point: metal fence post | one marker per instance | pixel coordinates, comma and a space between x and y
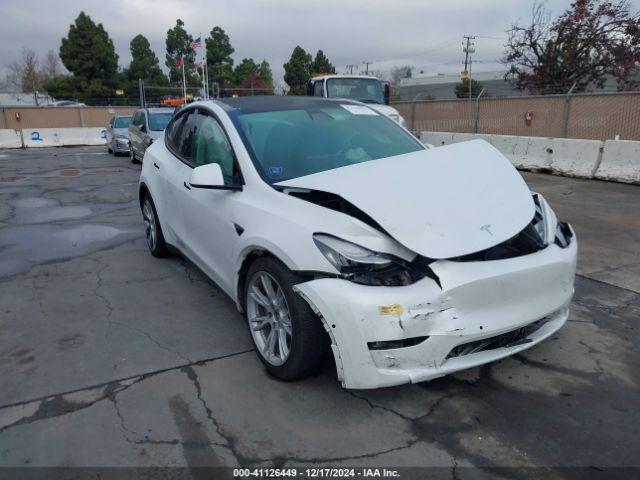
80, 116
477, 121
143, 100
413, 117
565, 115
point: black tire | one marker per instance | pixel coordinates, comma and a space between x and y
157, 246
132, 154
309, 340
110, 150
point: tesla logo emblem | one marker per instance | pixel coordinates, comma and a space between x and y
487, 228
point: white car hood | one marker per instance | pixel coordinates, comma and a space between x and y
441, 203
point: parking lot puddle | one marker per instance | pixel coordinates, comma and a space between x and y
23, 247
40, 210
43, 210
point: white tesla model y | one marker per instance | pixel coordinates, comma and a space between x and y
337, 232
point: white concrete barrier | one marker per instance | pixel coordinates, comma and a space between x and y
620, 161
572, 157
57, 137
10, 139
41, 137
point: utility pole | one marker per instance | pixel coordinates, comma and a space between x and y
366, 64
468, 49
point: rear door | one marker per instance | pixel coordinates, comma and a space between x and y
173, 170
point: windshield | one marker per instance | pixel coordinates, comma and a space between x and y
366, 90
159, 121
286, 144
122, 122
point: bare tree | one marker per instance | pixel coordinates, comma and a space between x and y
23, 74
50, 66
398, 73
28, 74
590, 41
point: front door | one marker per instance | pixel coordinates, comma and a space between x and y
208, 216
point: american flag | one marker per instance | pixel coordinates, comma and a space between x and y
197, 43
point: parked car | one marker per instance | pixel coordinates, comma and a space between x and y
335, 230
146, 126
66, 103
118, 134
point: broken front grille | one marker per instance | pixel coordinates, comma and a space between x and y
505, 340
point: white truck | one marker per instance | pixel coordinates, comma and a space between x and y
364, 89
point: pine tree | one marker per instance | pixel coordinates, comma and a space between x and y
219, 61
321, 64
178, 44
297, 71
88, 53
144, 63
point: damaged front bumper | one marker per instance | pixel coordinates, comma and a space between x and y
484, 311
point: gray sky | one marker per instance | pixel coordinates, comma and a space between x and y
425, 34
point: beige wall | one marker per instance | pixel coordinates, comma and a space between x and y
589, 116
59, 117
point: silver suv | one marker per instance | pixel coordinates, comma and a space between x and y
147, 126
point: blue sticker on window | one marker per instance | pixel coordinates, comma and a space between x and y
275, 170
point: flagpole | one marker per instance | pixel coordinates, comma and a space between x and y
184, 82
206, 70
204, 81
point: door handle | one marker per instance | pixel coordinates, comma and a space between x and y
156, 165
186, 185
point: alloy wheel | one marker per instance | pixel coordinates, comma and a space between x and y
149, 224
269, 318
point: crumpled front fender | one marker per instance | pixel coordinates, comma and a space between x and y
478, 300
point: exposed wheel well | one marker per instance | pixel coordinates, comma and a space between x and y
142, 192
244, 268
242, 273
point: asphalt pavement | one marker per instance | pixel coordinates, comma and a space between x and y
111, 357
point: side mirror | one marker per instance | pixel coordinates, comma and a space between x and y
387, 93
143, 128
210, 177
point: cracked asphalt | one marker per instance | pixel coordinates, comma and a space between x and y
110, 357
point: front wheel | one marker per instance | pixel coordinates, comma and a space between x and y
289, 337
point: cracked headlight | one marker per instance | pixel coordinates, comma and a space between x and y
544, 220
346, 255
564, 234
364, 266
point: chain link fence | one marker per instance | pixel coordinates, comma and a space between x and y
596, 116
